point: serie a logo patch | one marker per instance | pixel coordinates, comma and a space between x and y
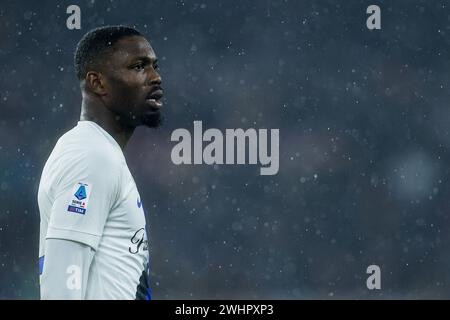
81, 193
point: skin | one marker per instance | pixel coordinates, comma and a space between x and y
117, 95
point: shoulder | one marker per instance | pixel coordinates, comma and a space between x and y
94, 150
79, 155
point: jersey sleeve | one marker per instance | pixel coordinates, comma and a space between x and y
65, 270
84, 196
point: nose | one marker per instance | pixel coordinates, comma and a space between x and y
154, 77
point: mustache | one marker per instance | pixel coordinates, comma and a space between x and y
156, 92
156, 88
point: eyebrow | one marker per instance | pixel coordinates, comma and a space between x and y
146, 59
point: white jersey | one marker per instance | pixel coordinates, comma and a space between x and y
87, 194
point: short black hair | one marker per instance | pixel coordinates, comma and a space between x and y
97, 42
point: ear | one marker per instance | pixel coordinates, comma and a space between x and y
96, 83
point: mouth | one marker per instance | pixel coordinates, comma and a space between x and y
154, 99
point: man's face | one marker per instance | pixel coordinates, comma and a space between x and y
132, 83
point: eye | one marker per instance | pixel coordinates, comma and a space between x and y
155, 67
138, 67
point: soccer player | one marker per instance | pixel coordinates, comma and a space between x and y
93, 242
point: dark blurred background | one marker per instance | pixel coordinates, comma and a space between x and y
364, 144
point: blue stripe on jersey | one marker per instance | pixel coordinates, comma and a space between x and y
41, 264
148, 296
143, 291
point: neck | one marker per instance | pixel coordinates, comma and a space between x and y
94, 110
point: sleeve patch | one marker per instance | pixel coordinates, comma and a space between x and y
79, 201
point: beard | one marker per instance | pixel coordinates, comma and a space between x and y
153, 119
